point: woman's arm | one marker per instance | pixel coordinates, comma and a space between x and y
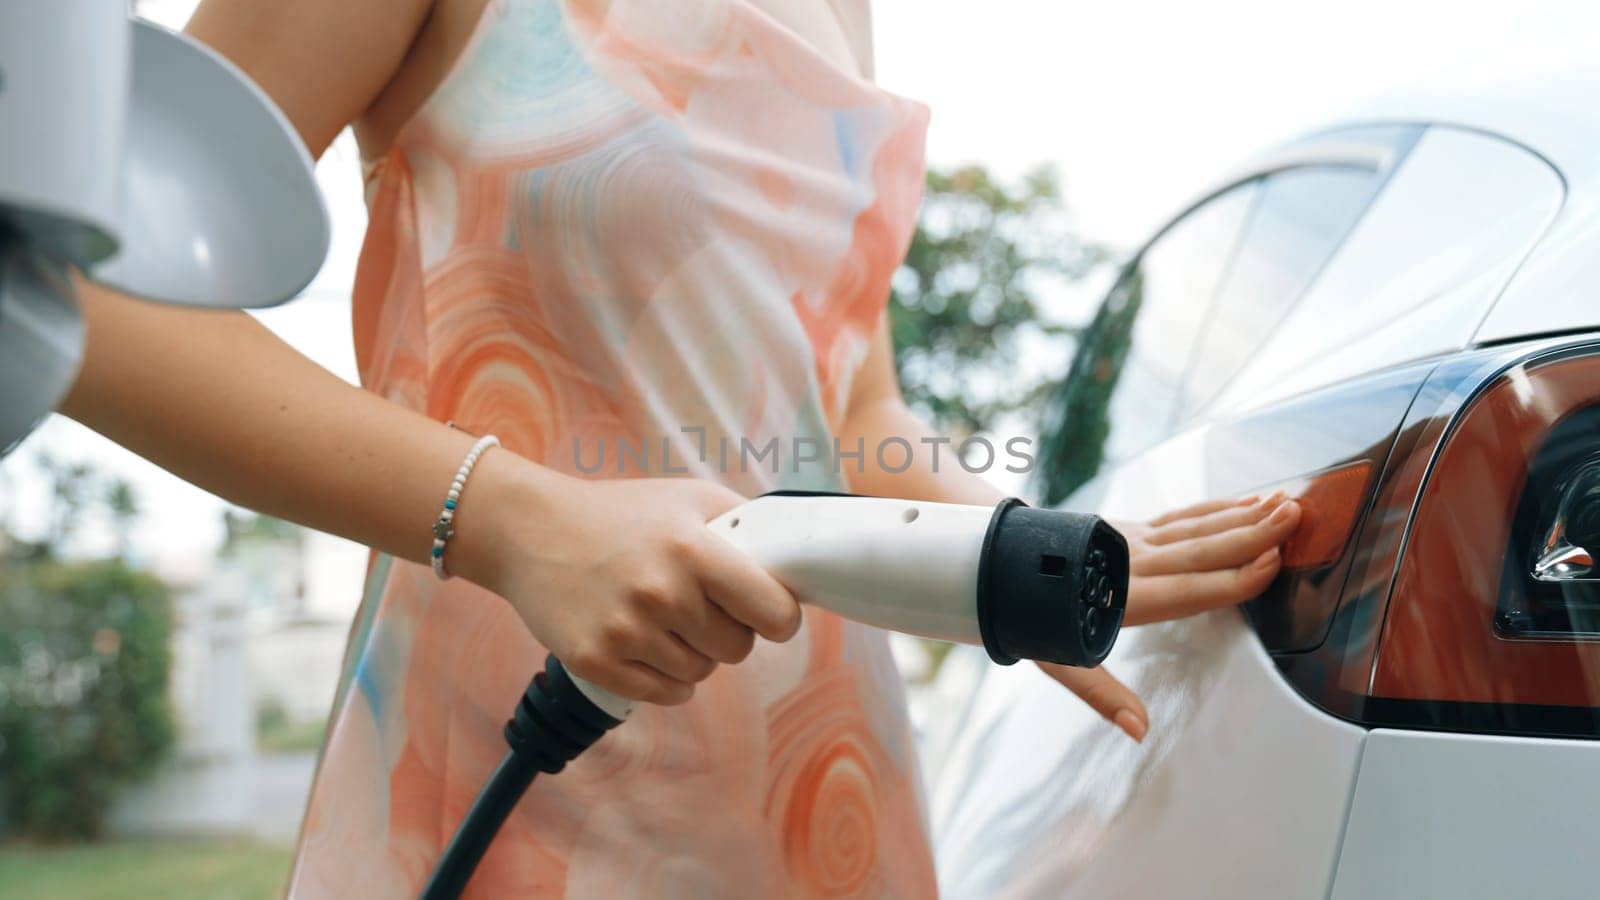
324, 64
219, 400
213, 395
878, 412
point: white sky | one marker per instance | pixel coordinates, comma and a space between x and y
1140, 103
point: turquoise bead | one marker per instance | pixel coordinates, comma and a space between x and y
438, 551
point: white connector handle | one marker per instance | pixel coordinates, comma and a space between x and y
903, 565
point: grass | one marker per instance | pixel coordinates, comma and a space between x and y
277, 733
139, 869
290, 737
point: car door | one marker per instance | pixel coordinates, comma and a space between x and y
1241, 787
1129, 388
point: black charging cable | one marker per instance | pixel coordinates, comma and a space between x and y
554, 722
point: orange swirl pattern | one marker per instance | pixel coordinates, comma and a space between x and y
613, 220
825, 788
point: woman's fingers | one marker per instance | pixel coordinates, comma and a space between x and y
1234, 546
634, 680
1105, 695
1156, 598
743, 589
719, 636
1234, 515
708, 498
669, 655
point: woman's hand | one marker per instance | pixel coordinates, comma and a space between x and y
1208, 556
1105, 695
625, 584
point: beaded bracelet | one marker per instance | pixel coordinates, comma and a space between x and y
442, 531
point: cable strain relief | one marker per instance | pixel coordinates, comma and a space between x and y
554, 722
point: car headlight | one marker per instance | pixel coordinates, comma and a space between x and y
1496, 604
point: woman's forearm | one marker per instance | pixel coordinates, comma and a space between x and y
878, 414
933, 471
615, 578
219, 400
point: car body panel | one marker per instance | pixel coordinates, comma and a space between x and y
1241, 782
1469, 816
1238, 791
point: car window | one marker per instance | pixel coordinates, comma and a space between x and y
1417, 275
1204, 297
1299, 220
1126, 377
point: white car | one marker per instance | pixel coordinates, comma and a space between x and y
1398, 319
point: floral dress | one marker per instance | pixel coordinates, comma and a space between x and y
670, 225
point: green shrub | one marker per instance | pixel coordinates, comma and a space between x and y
84, 662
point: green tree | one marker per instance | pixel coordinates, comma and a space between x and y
71, 492
973, 296
123, 503
84, 664
1077, 414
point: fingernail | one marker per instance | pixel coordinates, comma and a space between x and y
1266, 560
1130, 723
1282, 513
1246, 501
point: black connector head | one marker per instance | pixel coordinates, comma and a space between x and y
1052, 586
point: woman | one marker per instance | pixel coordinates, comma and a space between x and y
664, 224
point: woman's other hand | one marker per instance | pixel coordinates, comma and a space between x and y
625, 584
1208, 556
1112, 699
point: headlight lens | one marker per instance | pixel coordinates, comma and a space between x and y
1566, 555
